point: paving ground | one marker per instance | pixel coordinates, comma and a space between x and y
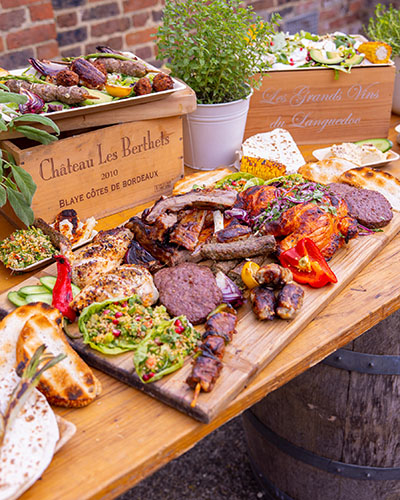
217, 468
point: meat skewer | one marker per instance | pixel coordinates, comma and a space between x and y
220, 328
48, 92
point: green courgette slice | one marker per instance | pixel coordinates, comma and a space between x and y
382, 144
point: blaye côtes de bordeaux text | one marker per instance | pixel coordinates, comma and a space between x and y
50, 169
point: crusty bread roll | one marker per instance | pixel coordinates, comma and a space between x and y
325, 171
70, 382
376, 180
206, 179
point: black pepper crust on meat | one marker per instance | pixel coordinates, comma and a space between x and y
188, 289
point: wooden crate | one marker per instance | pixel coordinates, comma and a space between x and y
103, 171
316, 108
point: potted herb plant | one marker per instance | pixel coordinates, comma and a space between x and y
217, 48
385, 27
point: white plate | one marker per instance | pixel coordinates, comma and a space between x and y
320, 154
397, 128
43, 262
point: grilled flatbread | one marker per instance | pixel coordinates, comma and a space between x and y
376, 180
326, 171
71, 382
202, 179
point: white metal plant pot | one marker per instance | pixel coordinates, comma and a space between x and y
396, 90
213, 133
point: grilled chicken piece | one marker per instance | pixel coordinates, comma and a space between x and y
273, 275
186, 233
263, 302
255, 199
212, 199
233, 231
124, 281
289, 301
146, 235
329, 231
104, 253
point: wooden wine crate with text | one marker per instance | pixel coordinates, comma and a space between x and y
103, 171
317, 108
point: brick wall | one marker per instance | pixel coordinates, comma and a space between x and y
50, 28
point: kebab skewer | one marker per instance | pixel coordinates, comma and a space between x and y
219, 330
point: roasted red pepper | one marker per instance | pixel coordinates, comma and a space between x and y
307, 264
62, 291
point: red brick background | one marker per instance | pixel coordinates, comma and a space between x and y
52, 28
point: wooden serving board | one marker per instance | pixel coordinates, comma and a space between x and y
253, 347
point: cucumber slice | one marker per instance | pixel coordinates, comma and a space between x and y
50, 281
32, 290
40, 297
16, 299
381, 144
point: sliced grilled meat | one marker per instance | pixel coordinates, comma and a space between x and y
274, 275
214, 199
138, 255
215, 344
249, 247
148, 236
289, 301
232, 232
186, 233
263, 302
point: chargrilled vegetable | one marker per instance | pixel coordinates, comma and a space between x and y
89, 75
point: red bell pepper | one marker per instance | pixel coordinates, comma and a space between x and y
62, 291
308, 264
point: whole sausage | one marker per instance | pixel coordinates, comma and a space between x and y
290, 299
261, 245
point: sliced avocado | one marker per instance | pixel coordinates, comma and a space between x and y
356, 59
381, 144
99, 97
330, 58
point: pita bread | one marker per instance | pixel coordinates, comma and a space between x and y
326, 171
203, 179
70, 382
277, 145
376, 180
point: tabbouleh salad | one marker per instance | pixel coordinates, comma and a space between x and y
25, 247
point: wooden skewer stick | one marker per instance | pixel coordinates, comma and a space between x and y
195, 395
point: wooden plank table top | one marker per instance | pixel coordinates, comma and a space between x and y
125, 435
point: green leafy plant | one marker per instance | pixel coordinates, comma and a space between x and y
16, 184
216, 47
385, 27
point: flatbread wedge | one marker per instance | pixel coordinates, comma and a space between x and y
326, 171
71, 383
376, 180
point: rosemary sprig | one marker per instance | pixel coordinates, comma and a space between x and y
30, 377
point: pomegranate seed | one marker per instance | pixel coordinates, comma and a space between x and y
106, 311
116, 333
292, 63
179, 329
234, 183
124, 304
148, 376
118, 314
115, 321
272, 43
138, 318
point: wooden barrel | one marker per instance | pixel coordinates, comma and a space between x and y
333, 433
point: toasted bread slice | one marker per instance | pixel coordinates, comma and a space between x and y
71, 382
376, 180
326, 171
12, 324
202, 179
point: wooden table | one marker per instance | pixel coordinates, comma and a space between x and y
125, 435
